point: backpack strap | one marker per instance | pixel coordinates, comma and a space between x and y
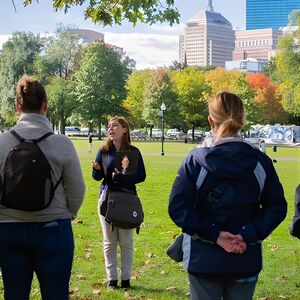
20, 139
43, 137
218, 190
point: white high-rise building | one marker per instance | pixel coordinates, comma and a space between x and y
208, 39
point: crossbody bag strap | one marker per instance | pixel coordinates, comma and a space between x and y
104, 162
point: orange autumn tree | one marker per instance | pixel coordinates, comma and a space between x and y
268, 97
219, 80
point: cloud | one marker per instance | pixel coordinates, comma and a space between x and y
176, 29
148, 50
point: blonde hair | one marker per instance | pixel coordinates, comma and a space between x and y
227, 111
125, 143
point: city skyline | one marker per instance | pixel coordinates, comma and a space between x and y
140, 43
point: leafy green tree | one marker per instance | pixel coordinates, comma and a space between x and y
135, 102
100, 82
61, 55
288, 66
160, 90
191, 87
62, 101
108, 12
17, 58
220, 80
61, 58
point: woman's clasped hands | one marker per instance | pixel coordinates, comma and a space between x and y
231, 243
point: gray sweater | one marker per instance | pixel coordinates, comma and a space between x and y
63, 159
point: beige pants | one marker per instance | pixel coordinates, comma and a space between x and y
111, 239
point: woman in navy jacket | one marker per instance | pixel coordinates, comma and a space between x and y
227, 198
118, 140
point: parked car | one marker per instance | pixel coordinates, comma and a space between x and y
198, 135
137, 134
156, 133
175, 134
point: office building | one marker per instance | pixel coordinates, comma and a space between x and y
261, 14
246, 65
259, 44
87, 36
208, 39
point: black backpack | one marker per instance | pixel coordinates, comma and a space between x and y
27, 183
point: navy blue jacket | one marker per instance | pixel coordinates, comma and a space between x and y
126, 181
252, 205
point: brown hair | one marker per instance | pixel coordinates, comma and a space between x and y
227, 111
30, 94
125, 143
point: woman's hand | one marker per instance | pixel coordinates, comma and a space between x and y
231, 243
96, 165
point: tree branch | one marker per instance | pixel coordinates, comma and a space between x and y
13, 2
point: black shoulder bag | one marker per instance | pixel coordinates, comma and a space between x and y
124, 207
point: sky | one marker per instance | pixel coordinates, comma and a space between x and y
150, 46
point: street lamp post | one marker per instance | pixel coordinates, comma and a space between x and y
162, 108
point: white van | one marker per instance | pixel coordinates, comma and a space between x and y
72, 131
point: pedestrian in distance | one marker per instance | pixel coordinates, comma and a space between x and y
35, 235
227, 199
104, 167
90, 139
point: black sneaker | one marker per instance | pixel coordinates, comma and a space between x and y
125, 284
112, 284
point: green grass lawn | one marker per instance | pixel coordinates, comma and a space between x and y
155, 276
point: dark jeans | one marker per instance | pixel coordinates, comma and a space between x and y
44, 248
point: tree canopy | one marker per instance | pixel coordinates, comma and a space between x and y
100, 82
108, 12
17, 58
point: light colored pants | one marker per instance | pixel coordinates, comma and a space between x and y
111, 239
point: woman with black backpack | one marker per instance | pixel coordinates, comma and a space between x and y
104, 167
227, 199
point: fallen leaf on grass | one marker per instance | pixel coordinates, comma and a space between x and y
88, 256
150, 255
171, 288
283, 278
163, 273
73, 290
96, 292
274, 248
97, 285
78, 222
80, 277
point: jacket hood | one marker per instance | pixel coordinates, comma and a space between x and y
230, 158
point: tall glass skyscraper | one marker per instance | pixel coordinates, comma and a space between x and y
262, 14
